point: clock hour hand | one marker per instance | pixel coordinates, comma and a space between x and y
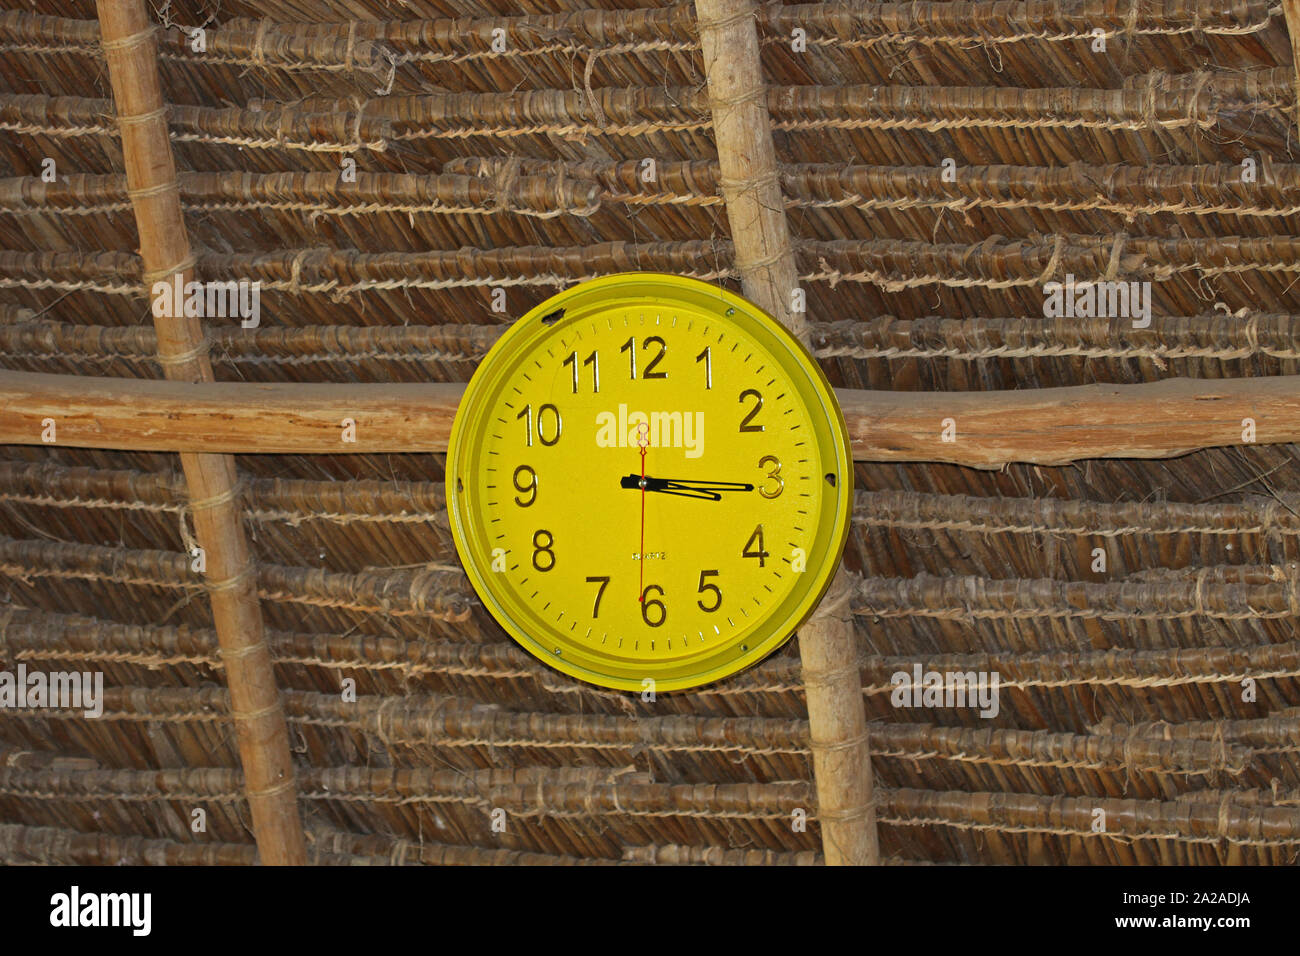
706, 490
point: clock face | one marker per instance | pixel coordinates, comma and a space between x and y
649, 480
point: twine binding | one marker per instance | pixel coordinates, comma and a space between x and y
193, 353
232, 493
127, 42
139, 119
156, 275
171, 185
232, 582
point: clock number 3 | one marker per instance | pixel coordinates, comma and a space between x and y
778, 483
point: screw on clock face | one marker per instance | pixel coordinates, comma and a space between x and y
685, 487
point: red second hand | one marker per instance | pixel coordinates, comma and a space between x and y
641, 592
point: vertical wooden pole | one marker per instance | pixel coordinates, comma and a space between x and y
127, 37
837, 722
1292, 10
760, 233
742, 129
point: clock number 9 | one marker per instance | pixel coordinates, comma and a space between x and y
717, 592
541, 547
531, 486
527, 416
649, 602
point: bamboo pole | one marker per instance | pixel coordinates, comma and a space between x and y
764, 256
1045, 426
131, 51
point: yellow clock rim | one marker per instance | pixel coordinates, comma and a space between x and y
463, 429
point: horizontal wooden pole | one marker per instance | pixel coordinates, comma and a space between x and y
236, 417
1049, 426
1055, 426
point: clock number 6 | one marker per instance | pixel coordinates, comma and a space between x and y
717, 592
651, 602
543, 542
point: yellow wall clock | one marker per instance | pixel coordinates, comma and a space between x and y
649, 480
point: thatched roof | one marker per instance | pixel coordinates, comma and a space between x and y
523, 169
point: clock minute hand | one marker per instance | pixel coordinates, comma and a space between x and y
685, 488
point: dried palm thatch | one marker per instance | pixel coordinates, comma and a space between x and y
1140, 613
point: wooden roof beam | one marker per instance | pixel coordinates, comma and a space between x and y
131, 51
1045, 426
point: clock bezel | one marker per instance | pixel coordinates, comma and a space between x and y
662, 291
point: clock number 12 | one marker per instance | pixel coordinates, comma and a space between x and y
648, 602
649, 371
